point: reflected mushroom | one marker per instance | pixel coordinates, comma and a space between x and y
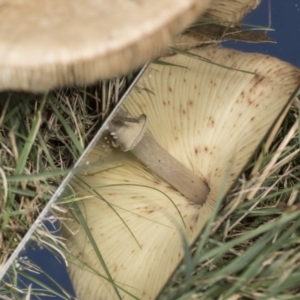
211, 119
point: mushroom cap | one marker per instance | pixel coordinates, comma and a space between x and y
230, 10
46, 44
209, 118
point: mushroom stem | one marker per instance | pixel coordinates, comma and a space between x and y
170, 169
131, 136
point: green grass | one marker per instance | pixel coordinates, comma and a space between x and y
250, 250
41, 138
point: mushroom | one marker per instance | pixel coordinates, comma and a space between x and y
230, 10
211, 119
70, 42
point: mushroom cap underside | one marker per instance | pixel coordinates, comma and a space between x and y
209, 118
46, 44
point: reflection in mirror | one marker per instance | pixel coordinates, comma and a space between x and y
38, 268
39, 271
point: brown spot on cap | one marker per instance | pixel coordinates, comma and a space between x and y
211, 121
250, 100
197, 150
